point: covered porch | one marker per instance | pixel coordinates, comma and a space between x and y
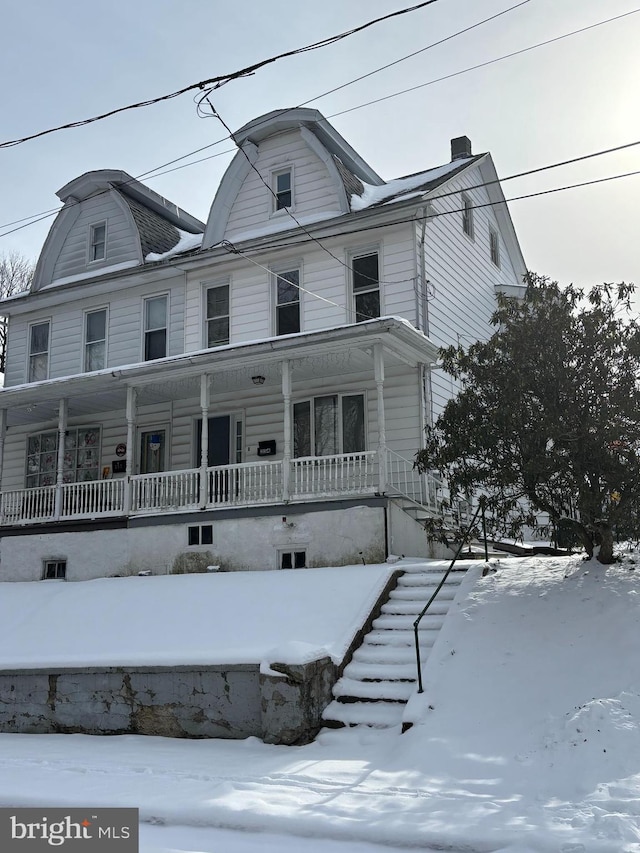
279, 375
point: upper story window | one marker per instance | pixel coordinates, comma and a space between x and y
98, 242
283, 189
95, 340
494, 246
326, 426
467, 215
366, 286
155, 327
39, 351
217, 319
287, 299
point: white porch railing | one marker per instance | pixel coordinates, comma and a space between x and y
327, 476
244, 484
404, 479
166, 490
22, 505
97, 497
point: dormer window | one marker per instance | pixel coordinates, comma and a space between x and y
98, 242
283, 189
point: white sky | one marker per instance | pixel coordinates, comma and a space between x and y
66, 61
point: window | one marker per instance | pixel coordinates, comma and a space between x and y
39, 352
55, 569
287, 290
494, 246
155, 328
325, 426
292, 559
217, 318
95, 339
283, 189
98, 242
81, 461
467, 215
200, 534
366, 286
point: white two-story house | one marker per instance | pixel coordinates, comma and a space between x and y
247, 393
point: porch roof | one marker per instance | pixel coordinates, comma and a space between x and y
335, 351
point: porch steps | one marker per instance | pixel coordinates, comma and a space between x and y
381, 676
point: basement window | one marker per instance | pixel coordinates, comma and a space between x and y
200, 534
292, 559
55, 570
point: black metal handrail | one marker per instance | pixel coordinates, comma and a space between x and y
416, 624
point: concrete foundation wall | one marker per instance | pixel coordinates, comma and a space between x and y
338, 536
217, 701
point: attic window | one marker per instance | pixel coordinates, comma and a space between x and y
98, 242
283, 189
467, 215
494, 246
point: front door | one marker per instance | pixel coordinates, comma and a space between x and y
218, 453
152, 451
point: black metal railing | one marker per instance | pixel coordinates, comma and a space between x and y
416, 625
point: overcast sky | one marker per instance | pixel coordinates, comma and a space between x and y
68, 60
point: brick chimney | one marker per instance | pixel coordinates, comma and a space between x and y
460, 148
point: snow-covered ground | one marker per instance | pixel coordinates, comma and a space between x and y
526, 739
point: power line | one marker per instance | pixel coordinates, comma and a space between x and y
149, 173
485, 64
221, 80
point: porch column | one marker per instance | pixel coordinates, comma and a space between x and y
378, 366
131, 434
62, 429
286, 456
204, 440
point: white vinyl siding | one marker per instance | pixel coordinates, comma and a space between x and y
462, 278
122, 242
314, 189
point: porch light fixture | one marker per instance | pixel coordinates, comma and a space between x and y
257, 380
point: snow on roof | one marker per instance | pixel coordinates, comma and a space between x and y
401, 186
186, 243
70, 279
165, 620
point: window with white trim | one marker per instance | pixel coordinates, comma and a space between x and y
80, 463
365, 281
95, 340
467, 215
328, 425
287, 301
39, 351
283, 189
494, 246
54, 570
155, 327
98, 242
217, 315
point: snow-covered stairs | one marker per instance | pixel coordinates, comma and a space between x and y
381, 676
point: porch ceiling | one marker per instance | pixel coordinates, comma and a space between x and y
328, 353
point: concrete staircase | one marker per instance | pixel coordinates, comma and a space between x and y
381, 676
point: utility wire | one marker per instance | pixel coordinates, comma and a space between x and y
221, 80
150, 173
